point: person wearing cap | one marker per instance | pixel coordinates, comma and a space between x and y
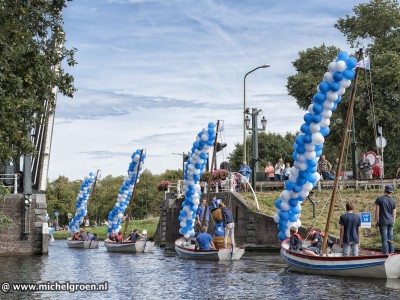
385, 217
229, 225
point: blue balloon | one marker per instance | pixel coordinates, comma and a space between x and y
282, 236
339, 98
316, 118
293, 217
351, 62
318, 153
349, 74
342, 56
319, 147
180, 218
300, 181
296, 188
294, 155
211, 125
338, 76
308, 118
301, 149
334, 86
295, 210
324, 86
288, 185
307, 138
278, 203
318, 108
300, 140
319, 97
284, 215
324, 131
303, 174
282, 227
312, 178
305, 128
312, 163
334, 107
293, 202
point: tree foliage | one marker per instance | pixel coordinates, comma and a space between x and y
31, 46
378, 90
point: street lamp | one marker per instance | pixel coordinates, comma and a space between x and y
254, 129
184, 158
244, 108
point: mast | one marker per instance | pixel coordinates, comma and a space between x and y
342, 150
133, 195
210, 179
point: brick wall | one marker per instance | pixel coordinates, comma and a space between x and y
14, 240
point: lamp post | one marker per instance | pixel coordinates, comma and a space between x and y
244, 108
254, 129
184, 158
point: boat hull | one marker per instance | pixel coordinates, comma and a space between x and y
373, 265
82, 244
130, 247
187, 250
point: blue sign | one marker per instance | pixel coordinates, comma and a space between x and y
56, 213
365, 220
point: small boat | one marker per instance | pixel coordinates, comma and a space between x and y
186, 249
82, 244
132, 247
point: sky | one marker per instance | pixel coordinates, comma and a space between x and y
151, 74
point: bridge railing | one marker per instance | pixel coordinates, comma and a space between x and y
10, 181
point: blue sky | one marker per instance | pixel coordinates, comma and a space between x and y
152, 74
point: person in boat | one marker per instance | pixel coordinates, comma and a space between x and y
76, 237
229, 225
200, 215
118, 238
350, 231
295, 241
316, 242
83, 235
204, 240
385, 217
94, 237
112, 236
134, 235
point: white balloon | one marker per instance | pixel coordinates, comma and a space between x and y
184, 219
341, 91
287, 232
308, 186
345, 83
292, 178
294, 171
315, 127
340, 66
285, 195
285, 206
187, 236
206, 147
317, 138
182, 224
136, 158
302, 166
332, 67
196, 201
204, 130
304, 193
328, 105
116, 204
294, 195
301, 158
310, 108
326, 113
325, 122
298, 223
318, 176
204, 137
310, 146
331, 96
310, 155
276, 218
328, 77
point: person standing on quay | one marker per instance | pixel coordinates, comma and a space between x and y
385, 217
350, 231
245, 171
279, 169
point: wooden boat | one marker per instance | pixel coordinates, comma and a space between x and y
186, 249
82, 244
367, 264
132, 247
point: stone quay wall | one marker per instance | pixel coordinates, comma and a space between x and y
18, 238
253, 230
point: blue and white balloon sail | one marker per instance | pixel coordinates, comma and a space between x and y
125, 192
309, 143
194, 168
81, 203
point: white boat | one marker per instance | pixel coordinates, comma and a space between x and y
132, 247
82, 244
368, 264
186, 249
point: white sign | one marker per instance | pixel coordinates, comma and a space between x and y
365, 220
381, 142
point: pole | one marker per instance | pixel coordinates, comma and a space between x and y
210, 179
92, 196
342, 150
255, 146
354, 149
133, 195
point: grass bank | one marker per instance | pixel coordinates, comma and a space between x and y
364, 201
149, 224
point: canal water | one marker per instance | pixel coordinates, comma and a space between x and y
163, 275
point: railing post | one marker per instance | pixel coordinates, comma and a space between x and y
15, 183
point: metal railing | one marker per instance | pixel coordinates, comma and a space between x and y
10, 181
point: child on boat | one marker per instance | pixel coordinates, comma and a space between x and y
316, 242
295, 242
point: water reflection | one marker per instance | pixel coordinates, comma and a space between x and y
163, 275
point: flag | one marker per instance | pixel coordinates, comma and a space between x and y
364, 64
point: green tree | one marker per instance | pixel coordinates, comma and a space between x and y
378, 24
31, 46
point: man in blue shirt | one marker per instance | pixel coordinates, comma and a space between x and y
204, 240
385, 217
245, 171
229, 225
200, 215
350, 231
